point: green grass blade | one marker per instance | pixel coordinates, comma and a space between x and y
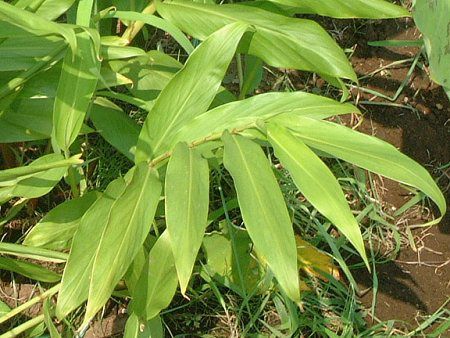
263, 210
187, 204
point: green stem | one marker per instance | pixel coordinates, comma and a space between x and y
23, 327
71, 178
135, 27
240, 75
50, 292
160, 160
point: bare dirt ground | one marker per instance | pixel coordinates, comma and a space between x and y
418, 281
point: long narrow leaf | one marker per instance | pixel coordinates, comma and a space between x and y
56, 229
190, 92
127, 227
367, 152
10, 177
36, 25
75, 281
245, 113
29, 270
76, 86
187, 199
263, 210
300, 43
158, 282
158, 23
373, 9
317, 183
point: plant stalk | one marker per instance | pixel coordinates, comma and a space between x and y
50, 292
135, 27
23, 327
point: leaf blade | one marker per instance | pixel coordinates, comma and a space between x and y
128, 225
317, 183
190, 92
263, 210
187, 201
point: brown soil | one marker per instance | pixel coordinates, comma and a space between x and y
418, 281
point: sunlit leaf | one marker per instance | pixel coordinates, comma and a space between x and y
187, 201
190, 92
128, 225
263, 209
367, 152
56, 229
76, 86
317, 183
158, 282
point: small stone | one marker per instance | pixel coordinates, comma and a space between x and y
426, 110
439, 106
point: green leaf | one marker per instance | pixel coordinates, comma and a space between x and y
366, 152
245, 113
190, 92
4, 309
252, 75
48, 314
48, 9
433, 19
84, 12
29, 115
150, 73
33, 253
36, 25
76, 86
300, 43
12, 176
187, 204
263, 210
127, 227
30, 270
317, 183
36, 179
227, 266
372, 9
149, 329
56, 229
20, 53
115, 126
75, 281
158, 282
158, 23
